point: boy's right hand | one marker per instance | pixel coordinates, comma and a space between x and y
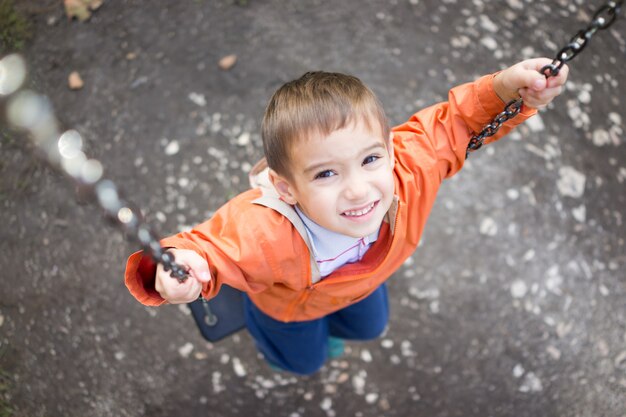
176, 292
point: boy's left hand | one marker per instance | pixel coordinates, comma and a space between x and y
524, 80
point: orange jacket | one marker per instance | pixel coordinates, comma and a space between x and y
257, 244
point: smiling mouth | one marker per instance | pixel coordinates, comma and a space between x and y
360, 212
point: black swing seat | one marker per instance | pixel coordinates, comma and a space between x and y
221, 316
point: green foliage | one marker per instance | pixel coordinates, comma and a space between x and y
6, 410
15, 30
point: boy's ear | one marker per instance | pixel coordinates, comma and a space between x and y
283, 187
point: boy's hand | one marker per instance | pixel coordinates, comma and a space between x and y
176, 292
524, 80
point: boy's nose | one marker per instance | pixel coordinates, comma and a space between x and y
355, 190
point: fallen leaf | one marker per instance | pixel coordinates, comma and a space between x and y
95, 4
227, 62
74, 81
81, 9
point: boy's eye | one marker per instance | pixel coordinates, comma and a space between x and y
324, 174
370, 159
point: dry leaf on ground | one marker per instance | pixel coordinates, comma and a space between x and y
81, 9
227, 62
74, 81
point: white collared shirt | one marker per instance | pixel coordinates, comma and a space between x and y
333, 250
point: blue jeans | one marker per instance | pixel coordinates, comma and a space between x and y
301, 347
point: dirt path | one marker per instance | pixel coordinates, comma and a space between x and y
514, 305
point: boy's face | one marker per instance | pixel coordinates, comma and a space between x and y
343, 182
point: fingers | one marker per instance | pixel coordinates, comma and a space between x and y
535, 89
559, 79
539, 99
176, 292
524, 75
198, 267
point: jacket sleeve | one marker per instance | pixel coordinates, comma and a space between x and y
443, 131
232, 242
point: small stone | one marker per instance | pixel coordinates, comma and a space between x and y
330, 389
563, 329
620, 359
387, 343
160, 216
489, 43
366, 356
512, 194
343, 377
119, 355
615, 118
326, 404
554, 280
580, 213
519, 289
243, 139
227, 62
531, 383
571, 182
197, 99
488, 227
172, 148
131, 55
460, 41
553, 352
488, 24
518, 371
371, 398
603, 290
185, 350
434, 306
74, 81
240, 371
584, 96
358, 382
600, 137
529, 255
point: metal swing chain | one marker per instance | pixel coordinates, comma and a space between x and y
30, 112
604, 17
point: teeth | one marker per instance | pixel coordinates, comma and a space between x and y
359, 212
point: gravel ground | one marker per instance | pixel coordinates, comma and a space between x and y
514, 305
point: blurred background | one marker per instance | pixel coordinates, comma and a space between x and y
514, 304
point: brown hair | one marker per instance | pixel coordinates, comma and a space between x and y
318, 103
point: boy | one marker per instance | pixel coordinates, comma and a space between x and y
340, 205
